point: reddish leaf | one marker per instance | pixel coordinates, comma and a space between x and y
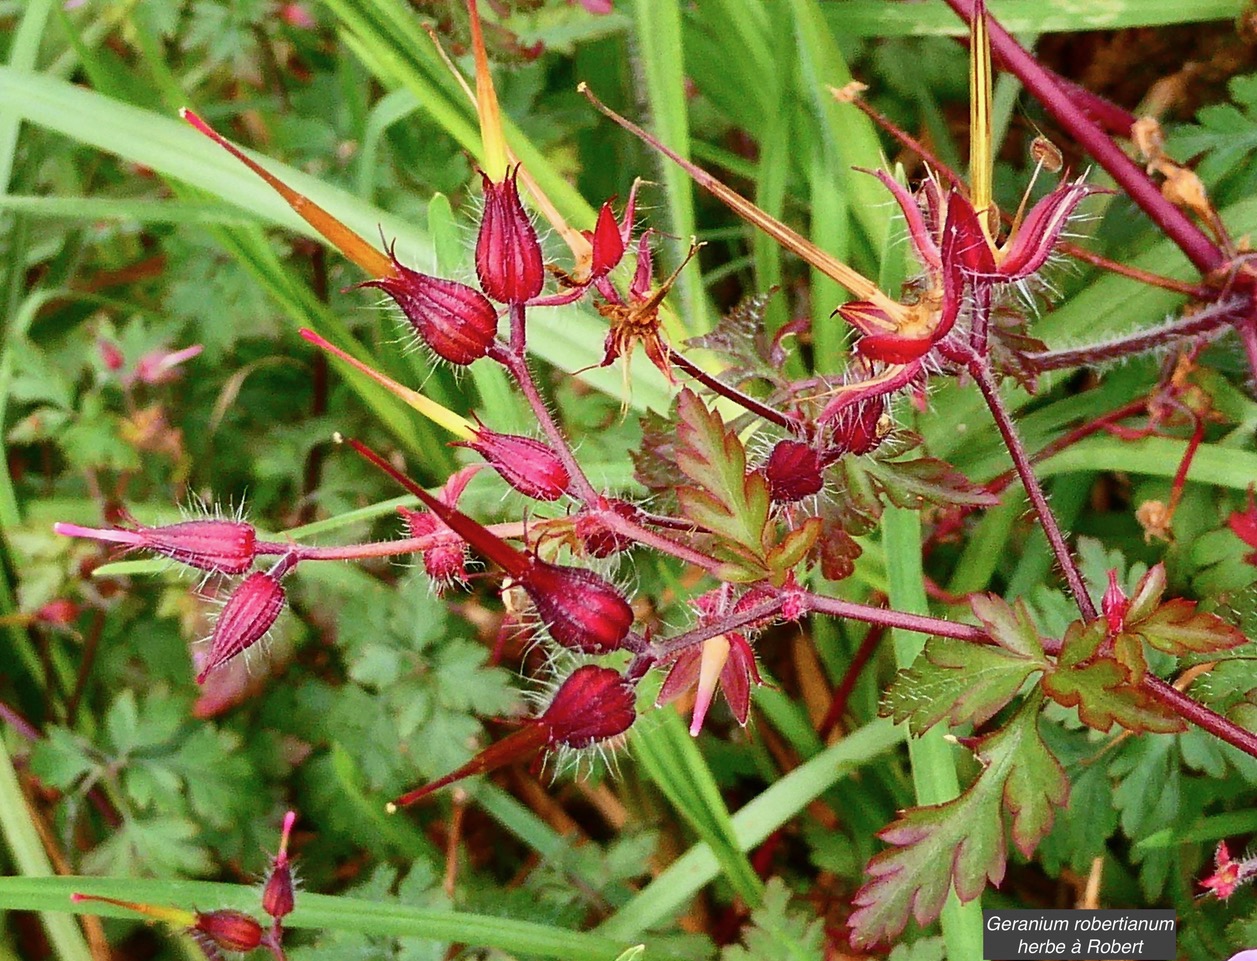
960, 844
1176, 627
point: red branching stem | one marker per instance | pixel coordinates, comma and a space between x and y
764, 611
885, 617
745, 401
1179, 484
981, 373
842, 693
1044, 87
665, 545
1204, 718
516, 363
353, 552
1210, 320
999, 484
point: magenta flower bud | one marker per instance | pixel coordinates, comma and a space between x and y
278, 895
529, 466
249, 613
608, 243
598, 539
508, 256
793, 472
455, 320
218, 546
228, 929
111, 355
1114, 605
594, 704
582, 611
445, 561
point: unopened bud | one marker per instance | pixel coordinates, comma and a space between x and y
455, 320
527, 465
249, 613
445, 560
594, 704
508, 256
278, 896
218, 546
229, 929
581, 610
595, 536
793, 472
608, 243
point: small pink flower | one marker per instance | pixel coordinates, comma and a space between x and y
508, 256
210, 544
455, 320
1228, 875
161, 366
595, 704
297, 15
59, 612
111, 355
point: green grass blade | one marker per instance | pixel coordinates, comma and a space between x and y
671, 890
665, 750
876, 18
933, 767
663, 70
32, 861
315, 911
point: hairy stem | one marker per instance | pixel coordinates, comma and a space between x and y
1201, 716
885, 617
981, 373
515, 361
745, 401
1212, 319
352, 552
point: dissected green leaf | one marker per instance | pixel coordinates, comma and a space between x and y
927, 480
778, 933
957, 680
960, 844
1177, 627
1009, 626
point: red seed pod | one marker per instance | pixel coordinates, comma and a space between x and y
594, 704
278, 896
249, 613
529, 466
230, 930
582, 611
455, 320
793, 472
508, 256
218, 546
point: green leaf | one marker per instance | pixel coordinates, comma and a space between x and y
727, 500
1176, 627
957, 680
778, 934
1009, 626
161, 846
927, 480
1100, 687
960, 844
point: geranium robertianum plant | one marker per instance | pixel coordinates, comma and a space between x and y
768, 525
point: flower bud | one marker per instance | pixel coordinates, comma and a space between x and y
445, 561
595, 536
793, 472
218, 546
1114, 605
529, 466
608, 243
508, 256
594, 704
582, 611
229, 929
278, 896
859, 429
249, 613
455, 320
